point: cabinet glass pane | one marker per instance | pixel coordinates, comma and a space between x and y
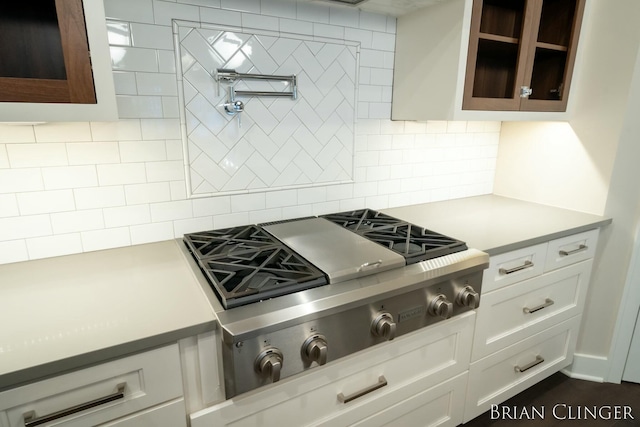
502, 17
548, 74
556, 22
30, 42
496, 67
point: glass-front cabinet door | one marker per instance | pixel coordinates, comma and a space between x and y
521, 54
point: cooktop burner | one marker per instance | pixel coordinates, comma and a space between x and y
246, 264
411, 241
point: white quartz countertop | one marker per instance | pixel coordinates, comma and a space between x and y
61, 313
496, 224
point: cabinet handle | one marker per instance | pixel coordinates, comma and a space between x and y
526, 264
580, 248
346, 399
539, 360
547, 303
30, 419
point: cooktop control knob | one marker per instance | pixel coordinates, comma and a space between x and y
315, 349
440, 306
468, 297
384, 326
269, 363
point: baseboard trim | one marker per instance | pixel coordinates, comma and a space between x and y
588, 367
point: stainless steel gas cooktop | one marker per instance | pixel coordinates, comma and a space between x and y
292, 295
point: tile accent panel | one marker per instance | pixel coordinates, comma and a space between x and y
274, 143
79, 186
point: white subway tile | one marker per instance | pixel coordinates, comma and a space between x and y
365, 37
4, 157
219, 16
297, 211
312, 195
165, 171
147, 193
89, 153
170, 107
252, 6
383, 41
326, 207
230, 220
154, 232
105, 239
63, 132
23, 227
37, 155
151, 36
278, 8
212, 206
126, 10
456, 127
125, 83
415, 127
139, 107
142, 151
50, 246
75, 221
392, 22
248, 202
373, 21
178, 190
160, 129
126, 215
171, 211
124, 173
266, 215
19, 180
183, 226
436, 126
368, 93
13, 251
277, 199
326, 30
381, 77
99, 197
156, 84
371, 58
312, 12
118, 33
122, 130
125, 58
204, 3
344, 17
174, 149
16, 133
351, 204
295, 26
262, 22
166, 61
8, 205
69, 177
39, 202
164, 12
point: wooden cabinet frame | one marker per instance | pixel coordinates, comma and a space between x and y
78, 87
526, 44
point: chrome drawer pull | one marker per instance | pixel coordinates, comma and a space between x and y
382, 381
539, 360
526, 264
30, 419
580, 248
547, 303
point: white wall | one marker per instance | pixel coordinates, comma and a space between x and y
589, 164
80, 186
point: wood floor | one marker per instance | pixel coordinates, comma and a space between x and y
568, 396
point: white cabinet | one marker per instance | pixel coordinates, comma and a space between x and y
148, 385
528, 319
64, 95
394, 383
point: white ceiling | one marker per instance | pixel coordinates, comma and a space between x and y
385, 7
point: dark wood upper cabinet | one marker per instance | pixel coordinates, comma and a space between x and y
45, 53
521, 54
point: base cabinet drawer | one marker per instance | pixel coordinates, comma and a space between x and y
515, 312
515, 266
170, 414
504, 374
571, 249
359, 385
414, 406
98, 394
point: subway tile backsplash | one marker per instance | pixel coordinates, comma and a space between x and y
77, 186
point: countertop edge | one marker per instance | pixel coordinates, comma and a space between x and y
86, 360
546, 237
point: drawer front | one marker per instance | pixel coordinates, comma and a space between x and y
149, 379
496, 378
513, 313
515, 266
170, 414
442, 405
571, 249
377, 375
